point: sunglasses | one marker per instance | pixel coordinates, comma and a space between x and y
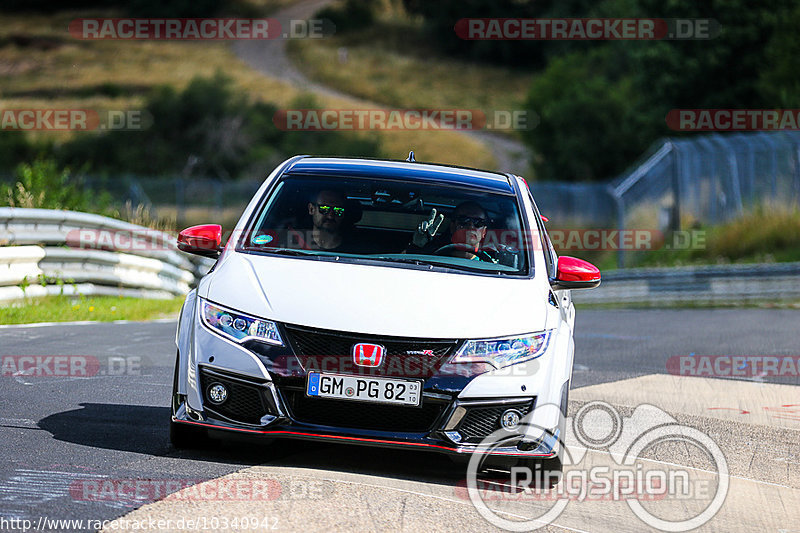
325, 209
474, 222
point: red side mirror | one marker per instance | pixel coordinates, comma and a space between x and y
574, 273
203, 240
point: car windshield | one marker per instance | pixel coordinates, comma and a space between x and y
391, 221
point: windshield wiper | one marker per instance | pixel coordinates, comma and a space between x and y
441, 264
284, 251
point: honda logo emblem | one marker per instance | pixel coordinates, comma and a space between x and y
365, 354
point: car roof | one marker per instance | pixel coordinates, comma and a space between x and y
404, 170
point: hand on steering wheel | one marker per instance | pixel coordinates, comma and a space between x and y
466, 248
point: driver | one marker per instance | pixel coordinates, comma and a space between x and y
467, 230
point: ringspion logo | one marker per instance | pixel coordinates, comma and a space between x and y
606, 458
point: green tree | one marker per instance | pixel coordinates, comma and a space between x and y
602, 106
588, 122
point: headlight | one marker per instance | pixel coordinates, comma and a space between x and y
238, 326
505, 351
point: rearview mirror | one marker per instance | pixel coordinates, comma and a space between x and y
574, 273
205, 240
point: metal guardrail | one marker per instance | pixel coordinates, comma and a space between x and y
45, 251
697, 284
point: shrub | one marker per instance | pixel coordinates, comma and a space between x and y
43, 184
208, 129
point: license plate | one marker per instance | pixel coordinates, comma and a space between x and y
381, 390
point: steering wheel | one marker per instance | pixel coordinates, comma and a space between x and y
447, 249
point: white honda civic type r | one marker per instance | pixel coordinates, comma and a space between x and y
384, 303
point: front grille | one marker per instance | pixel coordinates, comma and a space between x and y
362, 415
312, 346
245, 403
480, 422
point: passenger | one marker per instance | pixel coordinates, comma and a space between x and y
327, 215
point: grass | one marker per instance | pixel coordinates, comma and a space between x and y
80, 308
768, 234
396, 67
41, 66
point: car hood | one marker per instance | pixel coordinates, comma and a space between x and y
376, 299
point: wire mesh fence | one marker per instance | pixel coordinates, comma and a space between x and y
677, 183
186, 201
710, 179
715, 178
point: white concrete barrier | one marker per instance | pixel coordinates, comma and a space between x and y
69, 251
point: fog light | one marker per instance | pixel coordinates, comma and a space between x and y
217, 393
510, 419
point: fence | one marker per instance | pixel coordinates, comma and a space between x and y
188, 201
46, 252
710, 179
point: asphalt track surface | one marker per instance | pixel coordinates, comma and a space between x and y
75, 447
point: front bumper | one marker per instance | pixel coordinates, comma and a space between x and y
443, 423
266, 385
